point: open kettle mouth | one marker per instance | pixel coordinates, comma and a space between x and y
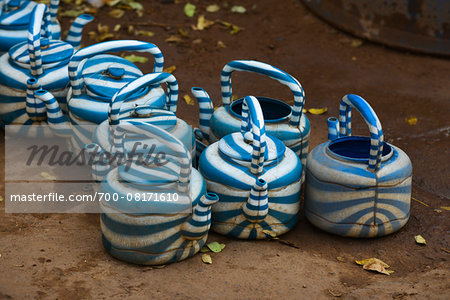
356, 149
273, 110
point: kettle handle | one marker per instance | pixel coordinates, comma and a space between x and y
252, 116
163, 137
75, 65
371, 118
139, 83
271, 72
39, 18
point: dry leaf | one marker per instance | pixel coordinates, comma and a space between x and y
215, 247
204, 249
238, 9
423, 203
206, 258
174, 39
188, 100
170, 69
356, 43
1, 198
189, 10
354, 58
212, 8
270, 233
71, 13
318, 111
335, 293
420, 240
234, 28
411, 120
374, 264
48, 176
221, 44
116, 13
445, 207
183, 33
117, 27
305, 110
135, 58
445, 250
340, 258
203, 23
438, 210
145, 33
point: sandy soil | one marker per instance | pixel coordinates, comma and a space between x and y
47, 256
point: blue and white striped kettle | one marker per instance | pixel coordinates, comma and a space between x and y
95, 77
15, 16
160, 213
256, 177
281, 120
163, 118
39, 63
357, 186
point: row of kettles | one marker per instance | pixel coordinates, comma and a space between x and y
252, 152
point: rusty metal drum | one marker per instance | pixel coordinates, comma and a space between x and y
418, 25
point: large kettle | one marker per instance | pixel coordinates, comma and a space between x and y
357, 186
95, 78
158, 214
256, 177
281, 120
40, 62
15, 16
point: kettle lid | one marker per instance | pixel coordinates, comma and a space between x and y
105, 74
238, 147
16, 13
53, 52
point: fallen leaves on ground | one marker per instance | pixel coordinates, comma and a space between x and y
335, 293
188, 100
212, 8
215, 247
340, 258
101, 34
1, 198
135, 58
221, 44
170, 69
411, 120
145, 33
355, 43
445, 207
174, 39
71, 13
203, 23
238, 9
270, 234
48, 176
374, 264
318, 111
233, 28
420, 240
116, 13
423, 203
206, 258
189, 10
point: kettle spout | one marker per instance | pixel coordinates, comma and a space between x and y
198, 225
98, 160
257, 206
57, 121
75, 31
333, 128
206, 110
35, 108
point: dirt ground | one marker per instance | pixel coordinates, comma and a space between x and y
60, 256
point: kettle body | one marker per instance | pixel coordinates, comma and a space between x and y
257, 178
357, 186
